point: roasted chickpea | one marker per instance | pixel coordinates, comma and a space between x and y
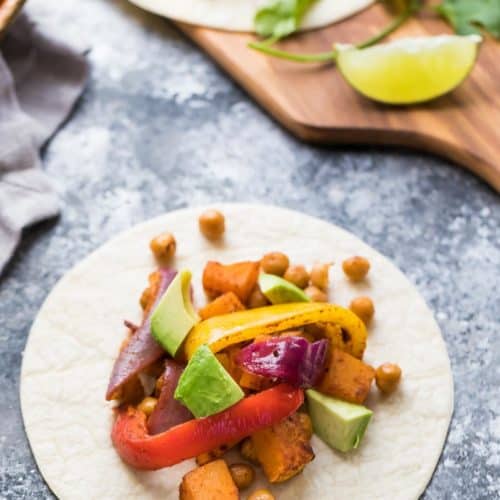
297, 275
247, 451
243, 475
363, 308
356, 268
261, 495
275, 263
315, 294
319, 275
147, 405
257, 299
387, 377
163, 246
212, 224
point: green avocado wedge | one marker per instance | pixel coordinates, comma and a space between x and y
174, 316
280, 291
339, 424
205, 387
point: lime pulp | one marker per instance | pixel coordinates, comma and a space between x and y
409, 70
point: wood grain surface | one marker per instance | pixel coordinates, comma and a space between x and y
315, 104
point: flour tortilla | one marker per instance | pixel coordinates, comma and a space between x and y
77, 335
238, 15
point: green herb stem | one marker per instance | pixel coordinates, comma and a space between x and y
323, 57
290, 56
269, 41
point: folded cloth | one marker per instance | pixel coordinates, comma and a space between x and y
40, 80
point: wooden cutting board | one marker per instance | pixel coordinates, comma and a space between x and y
8, 11
316, 105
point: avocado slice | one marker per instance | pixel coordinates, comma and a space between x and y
339, 424
174, 315
205, 387
279, 290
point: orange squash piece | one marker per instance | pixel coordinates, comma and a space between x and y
346, 378
223, 358
225, 304
239, 278
254, 382
228, 359
283, 449
211, 481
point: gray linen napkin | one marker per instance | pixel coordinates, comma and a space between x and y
40, 80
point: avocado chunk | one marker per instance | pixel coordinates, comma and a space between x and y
205, 387
339, 424
174, 315
279, 290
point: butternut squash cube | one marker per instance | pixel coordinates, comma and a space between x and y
346, 378
284, 449
225, 304
254, 382
240, 278
211, 481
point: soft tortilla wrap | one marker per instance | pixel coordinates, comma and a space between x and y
237, 15
77, 335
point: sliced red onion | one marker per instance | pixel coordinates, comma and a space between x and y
142, 350
288, 359
168, 411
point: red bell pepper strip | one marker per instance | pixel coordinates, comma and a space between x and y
143, 451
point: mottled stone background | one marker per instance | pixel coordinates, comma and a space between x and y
160, 127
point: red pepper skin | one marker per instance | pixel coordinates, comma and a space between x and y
143, 451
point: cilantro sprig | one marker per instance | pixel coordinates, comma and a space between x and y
470, 16
283, 15
281, 18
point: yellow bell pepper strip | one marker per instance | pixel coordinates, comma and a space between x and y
223, 331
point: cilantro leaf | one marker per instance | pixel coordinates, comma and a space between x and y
468, 16
280, 18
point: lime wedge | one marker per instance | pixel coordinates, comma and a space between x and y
409, 70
